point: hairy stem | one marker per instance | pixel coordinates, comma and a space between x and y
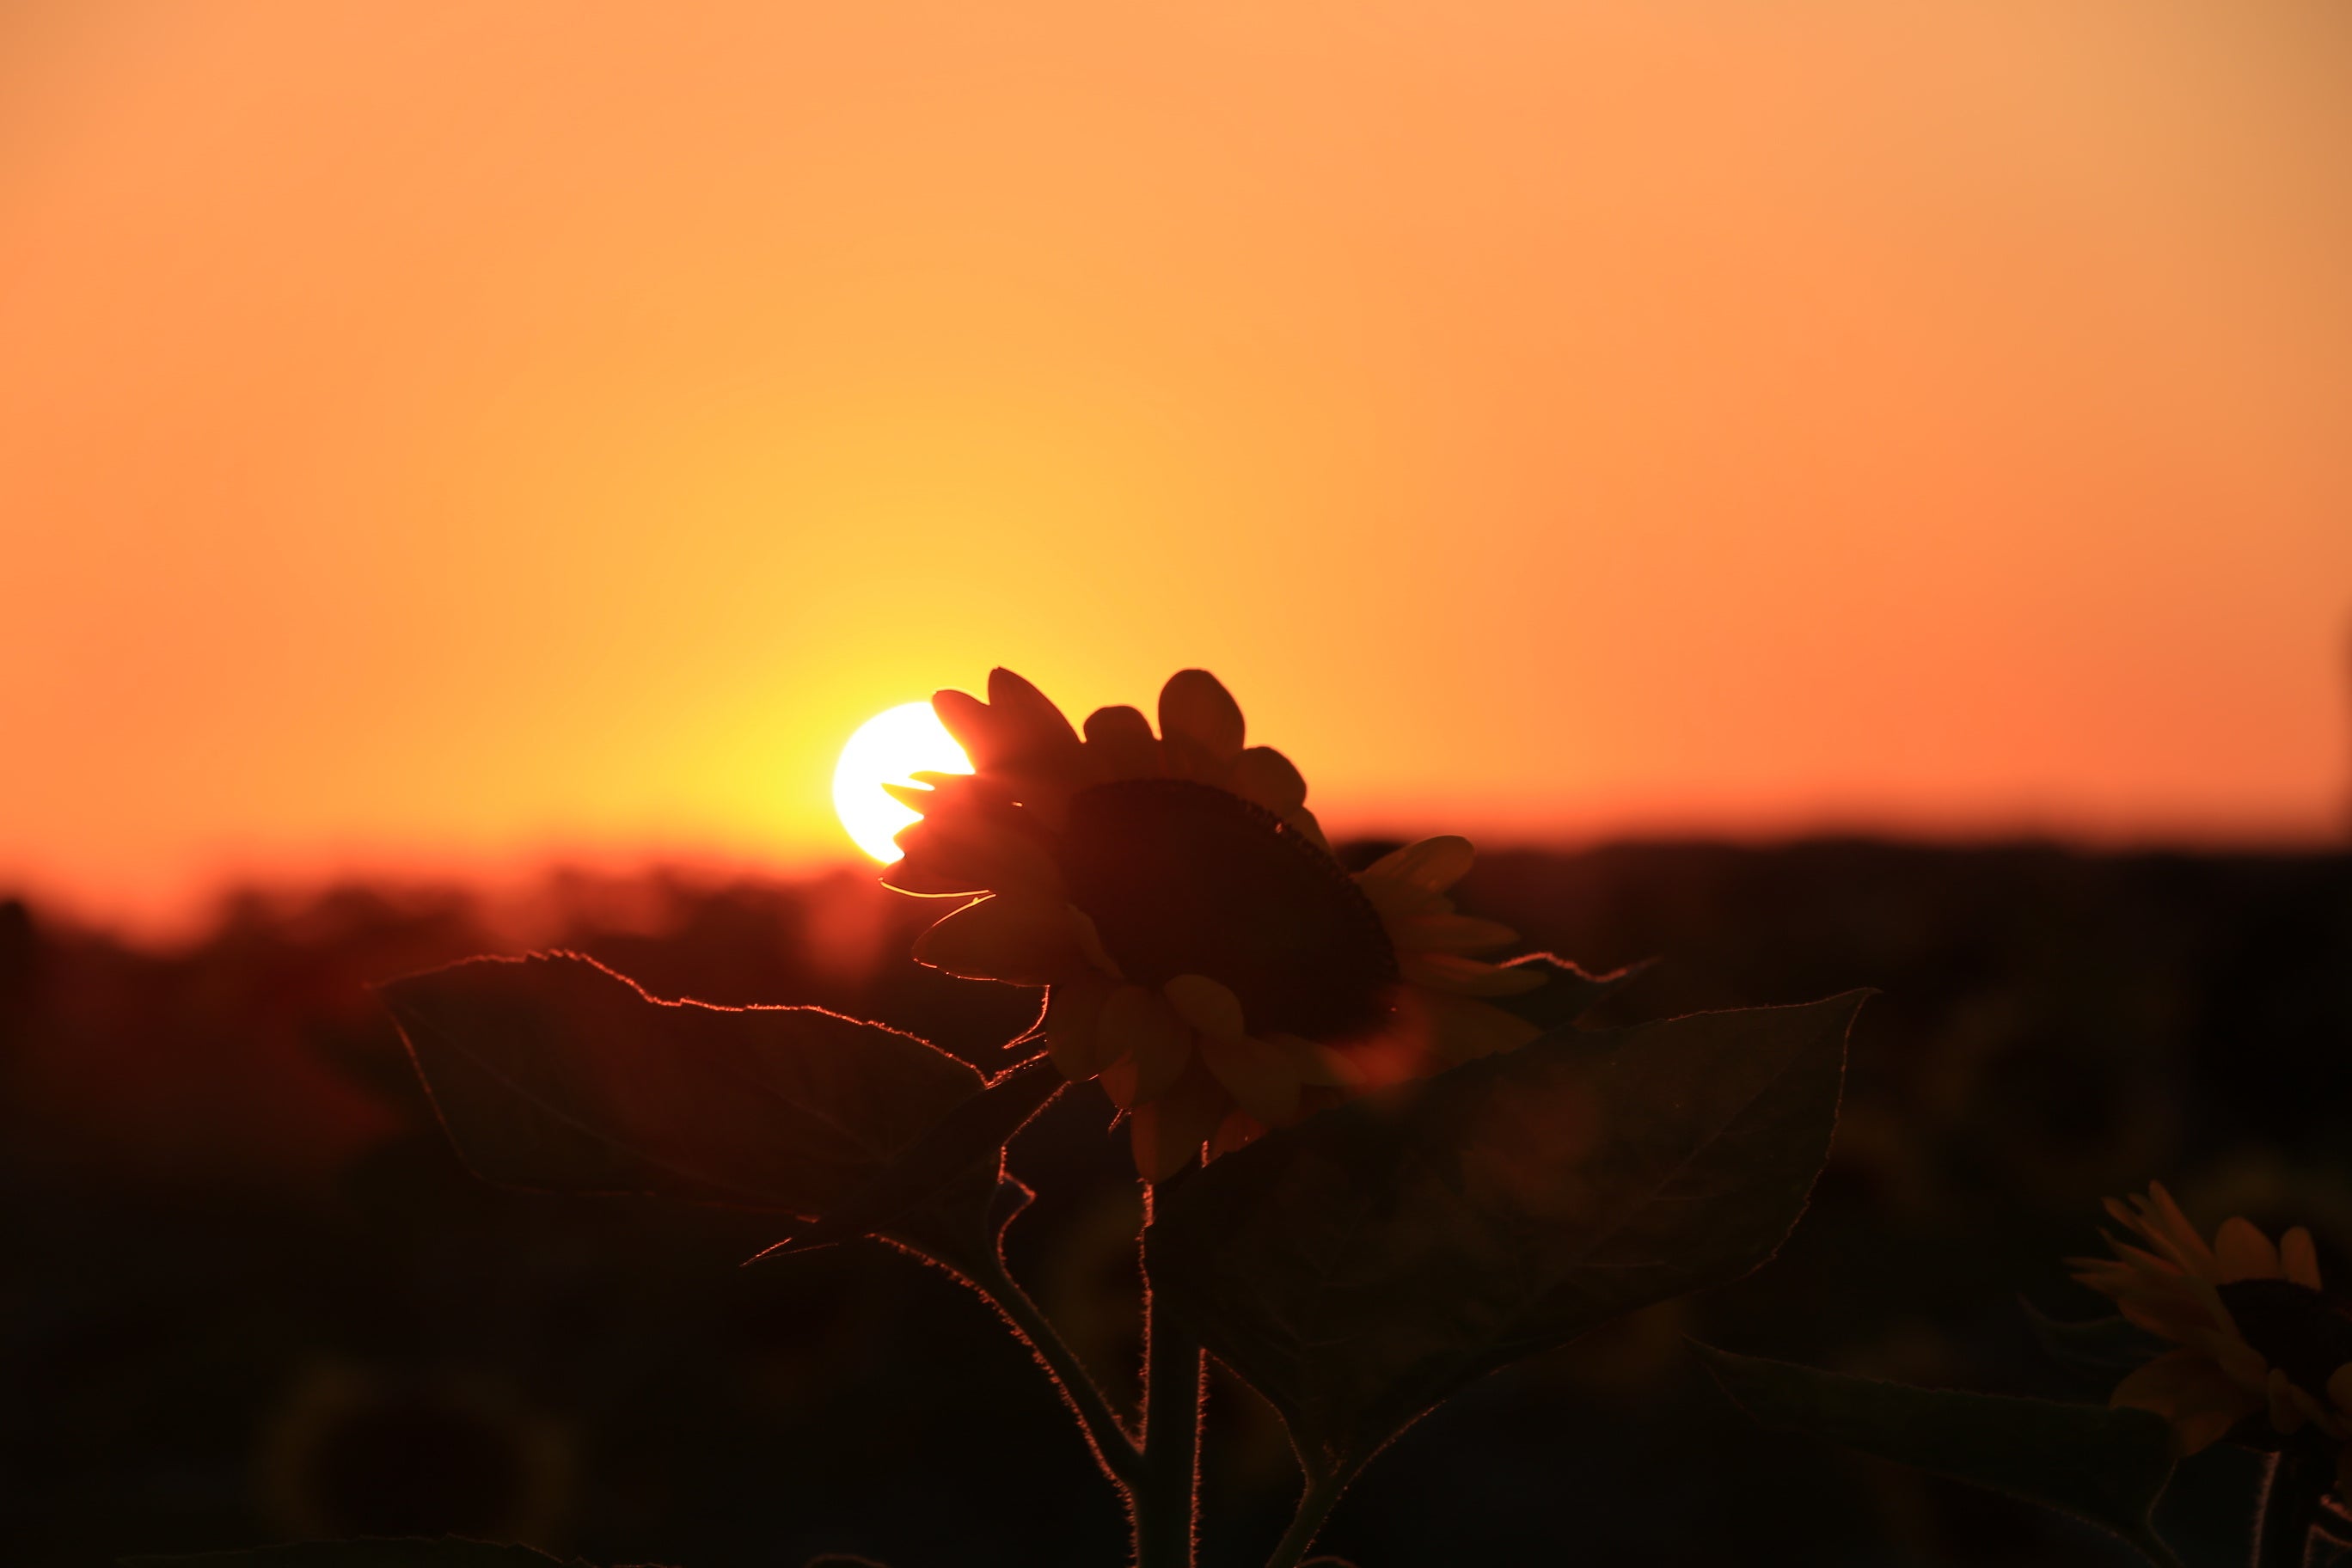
2288, 1511
1114, 1449
1314, 1507
1166, 1506
1168, 1500
2152, 1547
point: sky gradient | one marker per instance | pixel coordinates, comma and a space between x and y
437, 436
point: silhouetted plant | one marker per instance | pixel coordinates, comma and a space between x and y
2234, 1339
1377, 1165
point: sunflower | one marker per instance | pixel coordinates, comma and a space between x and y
2260, 1353
1207, 958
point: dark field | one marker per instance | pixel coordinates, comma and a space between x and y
248, 1294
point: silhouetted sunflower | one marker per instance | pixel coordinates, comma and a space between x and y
2262, 1354
1208, 959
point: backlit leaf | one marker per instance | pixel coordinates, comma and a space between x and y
1568, 993
552, 1072
970, 1137
1368, 1263
2112, 1344
2105, 1466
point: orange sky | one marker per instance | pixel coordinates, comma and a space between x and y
446, 434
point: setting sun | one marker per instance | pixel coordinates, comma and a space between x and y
889, 748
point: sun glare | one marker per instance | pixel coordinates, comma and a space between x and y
889, 748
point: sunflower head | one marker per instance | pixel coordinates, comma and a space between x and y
1209, 960
2261, 1353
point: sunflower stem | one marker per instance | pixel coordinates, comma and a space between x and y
2288, 1510
1114, 1449
1314, 1507
1166, 1500
2152, 1547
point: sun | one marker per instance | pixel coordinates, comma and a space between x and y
889, 748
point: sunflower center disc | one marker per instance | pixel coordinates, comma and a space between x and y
1183, 879
2291, 1326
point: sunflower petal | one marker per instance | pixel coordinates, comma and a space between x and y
1205, 1004
978, 795
1167, 1133
1260, 1077
2286, 1414
2241, 1364
1432, 865
1194, 706
1037, 752
2188, 1390
2176, 1224
1028, 713
1265, 775
1183, 758
969, 720
1117, 1076
1302, 822
1157, 1155
966, 852
1017, 739
2104, 1275
1447, 1030
1090, 942
2243, 1252
1237, 1131
1123, 738
2161, 1382
2147, 1262
2165, 1315
1144, 1044
1466, 976
2306, 1405
1317, 1064
2198, 1430
1450, 933
928, 876
1008, 937
914, 797
1073, 1025
1029, 727
2300, 1259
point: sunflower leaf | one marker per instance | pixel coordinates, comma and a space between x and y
2106, 1466
1364, 1265
447, 1551
968, 1138
2110, 1344
1568, 993
554, 1073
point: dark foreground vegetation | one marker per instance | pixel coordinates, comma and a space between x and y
248, 1293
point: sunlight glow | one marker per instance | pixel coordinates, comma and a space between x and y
890, 748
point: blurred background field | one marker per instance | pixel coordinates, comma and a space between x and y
248, 1293
439, 438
